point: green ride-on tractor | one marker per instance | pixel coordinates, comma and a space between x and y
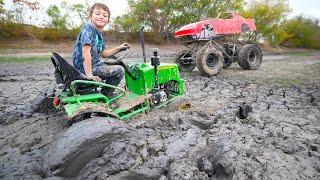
94, 119
146, 86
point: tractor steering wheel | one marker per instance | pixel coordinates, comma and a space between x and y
117, 60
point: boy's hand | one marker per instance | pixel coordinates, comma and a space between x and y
95, 78
123, 46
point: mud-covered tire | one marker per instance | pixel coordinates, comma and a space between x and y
250, 57
81, 143
185, 66
226, 63
181, 104
209, 61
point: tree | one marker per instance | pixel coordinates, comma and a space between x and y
163, 17
268, 15
1, 6
2, 10
58, 20
31, 5
81, 10
16, 14
65, 15
302, 32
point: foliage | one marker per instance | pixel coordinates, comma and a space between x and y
302, 32
18, 13
31, 5
61, 26
1, 6
12, 30
64, 15
268, 15
2, 11
81, 10
58, 20
54, 34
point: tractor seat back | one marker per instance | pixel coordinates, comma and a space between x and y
65, 73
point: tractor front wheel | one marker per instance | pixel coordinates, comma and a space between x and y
185, 60
209, 61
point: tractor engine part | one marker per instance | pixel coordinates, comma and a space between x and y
158, 95
142, 45
154, 76
155, 62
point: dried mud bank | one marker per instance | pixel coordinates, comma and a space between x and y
241, 126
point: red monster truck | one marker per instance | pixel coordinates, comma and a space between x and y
209, 55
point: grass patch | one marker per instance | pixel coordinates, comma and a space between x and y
316, 66
21, 59
288, 82
302, 53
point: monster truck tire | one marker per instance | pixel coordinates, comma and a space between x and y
209, 61
181, 104
250, 57
81, 143
227, 63
185, 66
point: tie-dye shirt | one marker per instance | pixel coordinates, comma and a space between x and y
91, 36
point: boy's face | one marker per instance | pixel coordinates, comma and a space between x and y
99, 17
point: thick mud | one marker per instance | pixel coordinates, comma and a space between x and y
262, 124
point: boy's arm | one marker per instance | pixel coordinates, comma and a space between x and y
109, 52
87, 63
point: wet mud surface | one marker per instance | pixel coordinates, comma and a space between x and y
262, 124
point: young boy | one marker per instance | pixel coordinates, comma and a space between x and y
90, 46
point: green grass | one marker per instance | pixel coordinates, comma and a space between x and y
26, 59
316, 66
288, 82
22, 59
302, 53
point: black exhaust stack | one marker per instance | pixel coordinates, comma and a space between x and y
142, 44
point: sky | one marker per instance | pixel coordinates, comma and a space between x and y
309, 8
306, 7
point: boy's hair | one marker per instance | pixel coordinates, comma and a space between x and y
99, 6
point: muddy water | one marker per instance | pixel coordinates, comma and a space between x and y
242, 125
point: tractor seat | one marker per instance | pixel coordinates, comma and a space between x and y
65, 73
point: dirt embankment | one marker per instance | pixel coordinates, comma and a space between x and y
261, 124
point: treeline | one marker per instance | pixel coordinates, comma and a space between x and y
162, 17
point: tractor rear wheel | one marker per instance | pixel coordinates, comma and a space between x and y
185, 60
250, 57
81, 143
209, 61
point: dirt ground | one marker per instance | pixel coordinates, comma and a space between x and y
279, 139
